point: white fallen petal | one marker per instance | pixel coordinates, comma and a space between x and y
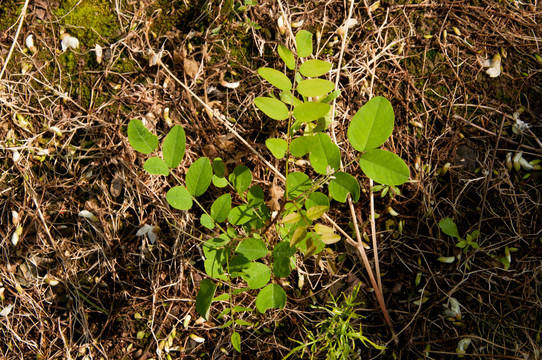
350, 23
232, 85
196, 338
69, 42
99, 53
525, 164
5, 312
494, 71
29, 41
149, 231
145, 229
16, 156
520, 126
88, 215
281, 23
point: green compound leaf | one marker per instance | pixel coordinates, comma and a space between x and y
272, 296
276, 78
174, 146
156, 166
252, 249
342, 185
257, 275
179, 198
303, 40
316, 199
221, 208
198, 176
240, 215
311, 110
205, 297
214, 261
140, 138
449, 227
297, 184
278, 147
384, 167
372, 125
240, 178
287, 56
207, 221
325, 156
273, 108
236, 341
315, 87
314, 68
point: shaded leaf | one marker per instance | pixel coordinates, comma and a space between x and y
449, 227
272, 296
252, 249
205, 297
297, 183
257, 275
240, 215
140, 138
240, 178
236, 341
342, 185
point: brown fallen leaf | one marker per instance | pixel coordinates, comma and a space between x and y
191, 68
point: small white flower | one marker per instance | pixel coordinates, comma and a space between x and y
454, 309
494, 65
520, 126
69, 41
462, 346
281, 23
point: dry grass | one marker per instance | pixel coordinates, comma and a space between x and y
77, 287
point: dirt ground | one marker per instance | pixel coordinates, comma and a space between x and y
76, 286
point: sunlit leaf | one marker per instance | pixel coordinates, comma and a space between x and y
273, 108
276, 78
303, 40
179, 198
314, 68
278, 147
198, 176
287, 56
372, 125
449, 227
384, 167
342, 185
221, 208
311, 110
173, 146
156, 166
315, 87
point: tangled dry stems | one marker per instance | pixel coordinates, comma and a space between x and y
106, 274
